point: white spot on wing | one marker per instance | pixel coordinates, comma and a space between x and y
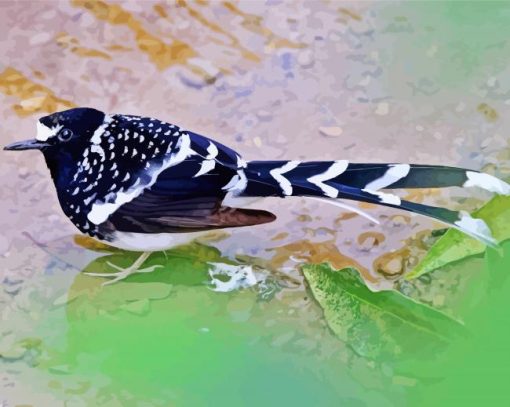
212, 150
101, 210
237, 184
233, 181
277, 174
207, 165
335, 169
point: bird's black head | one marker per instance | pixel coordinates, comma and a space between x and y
63, 137
67, 132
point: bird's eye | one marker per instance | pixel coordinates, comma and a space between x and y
65, 135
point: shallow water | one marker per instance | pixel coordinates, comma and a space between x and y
375, 82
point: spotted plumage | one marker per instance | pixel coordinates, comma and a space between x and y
137, 181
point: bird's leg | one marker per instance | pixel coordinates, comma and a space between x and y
125, 272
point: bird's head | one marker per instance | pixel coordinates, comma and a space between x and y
68, 132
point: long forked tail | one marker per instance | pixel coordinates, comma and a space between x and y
364, 182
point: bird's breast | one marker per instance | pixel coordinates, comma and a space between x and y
151, 242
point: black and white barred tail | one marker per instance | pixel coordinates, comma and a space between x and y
365, 182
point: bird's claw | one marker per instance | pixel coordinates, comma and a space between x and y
122, 273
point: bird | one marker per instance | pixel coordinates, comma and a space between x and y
142, 184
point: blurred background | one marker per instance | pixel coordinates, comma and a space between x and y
418, 82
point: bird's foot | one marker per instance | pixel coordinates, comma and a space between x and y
126, 272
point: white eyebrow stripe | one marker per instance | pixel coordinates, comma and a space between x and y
44, 132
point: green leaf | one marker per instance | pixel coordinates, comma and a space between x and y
376, 324
455, 245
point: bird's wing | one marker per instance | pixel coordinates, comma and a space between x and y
212, 150
188, 196
152, 212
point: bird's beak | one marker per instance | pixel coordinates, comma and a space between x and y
26, 145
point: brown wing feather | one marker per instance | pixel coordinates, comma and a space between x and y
225, 217
154, 212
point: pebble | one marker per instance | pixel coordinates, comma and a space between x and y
394, 266
33, 103
486, 142
12, 290
10, 349
368, 240
333, 131
305, 58
210, 73
491, 82
367, 244
382, 109
264, 115
399, 220
40, 38
490, 114
23, 172
391, 264
460, 107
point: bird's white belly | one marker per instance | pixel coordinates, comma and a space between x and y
151, 242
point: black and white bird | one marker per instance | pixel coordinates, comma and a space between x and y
142, 184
